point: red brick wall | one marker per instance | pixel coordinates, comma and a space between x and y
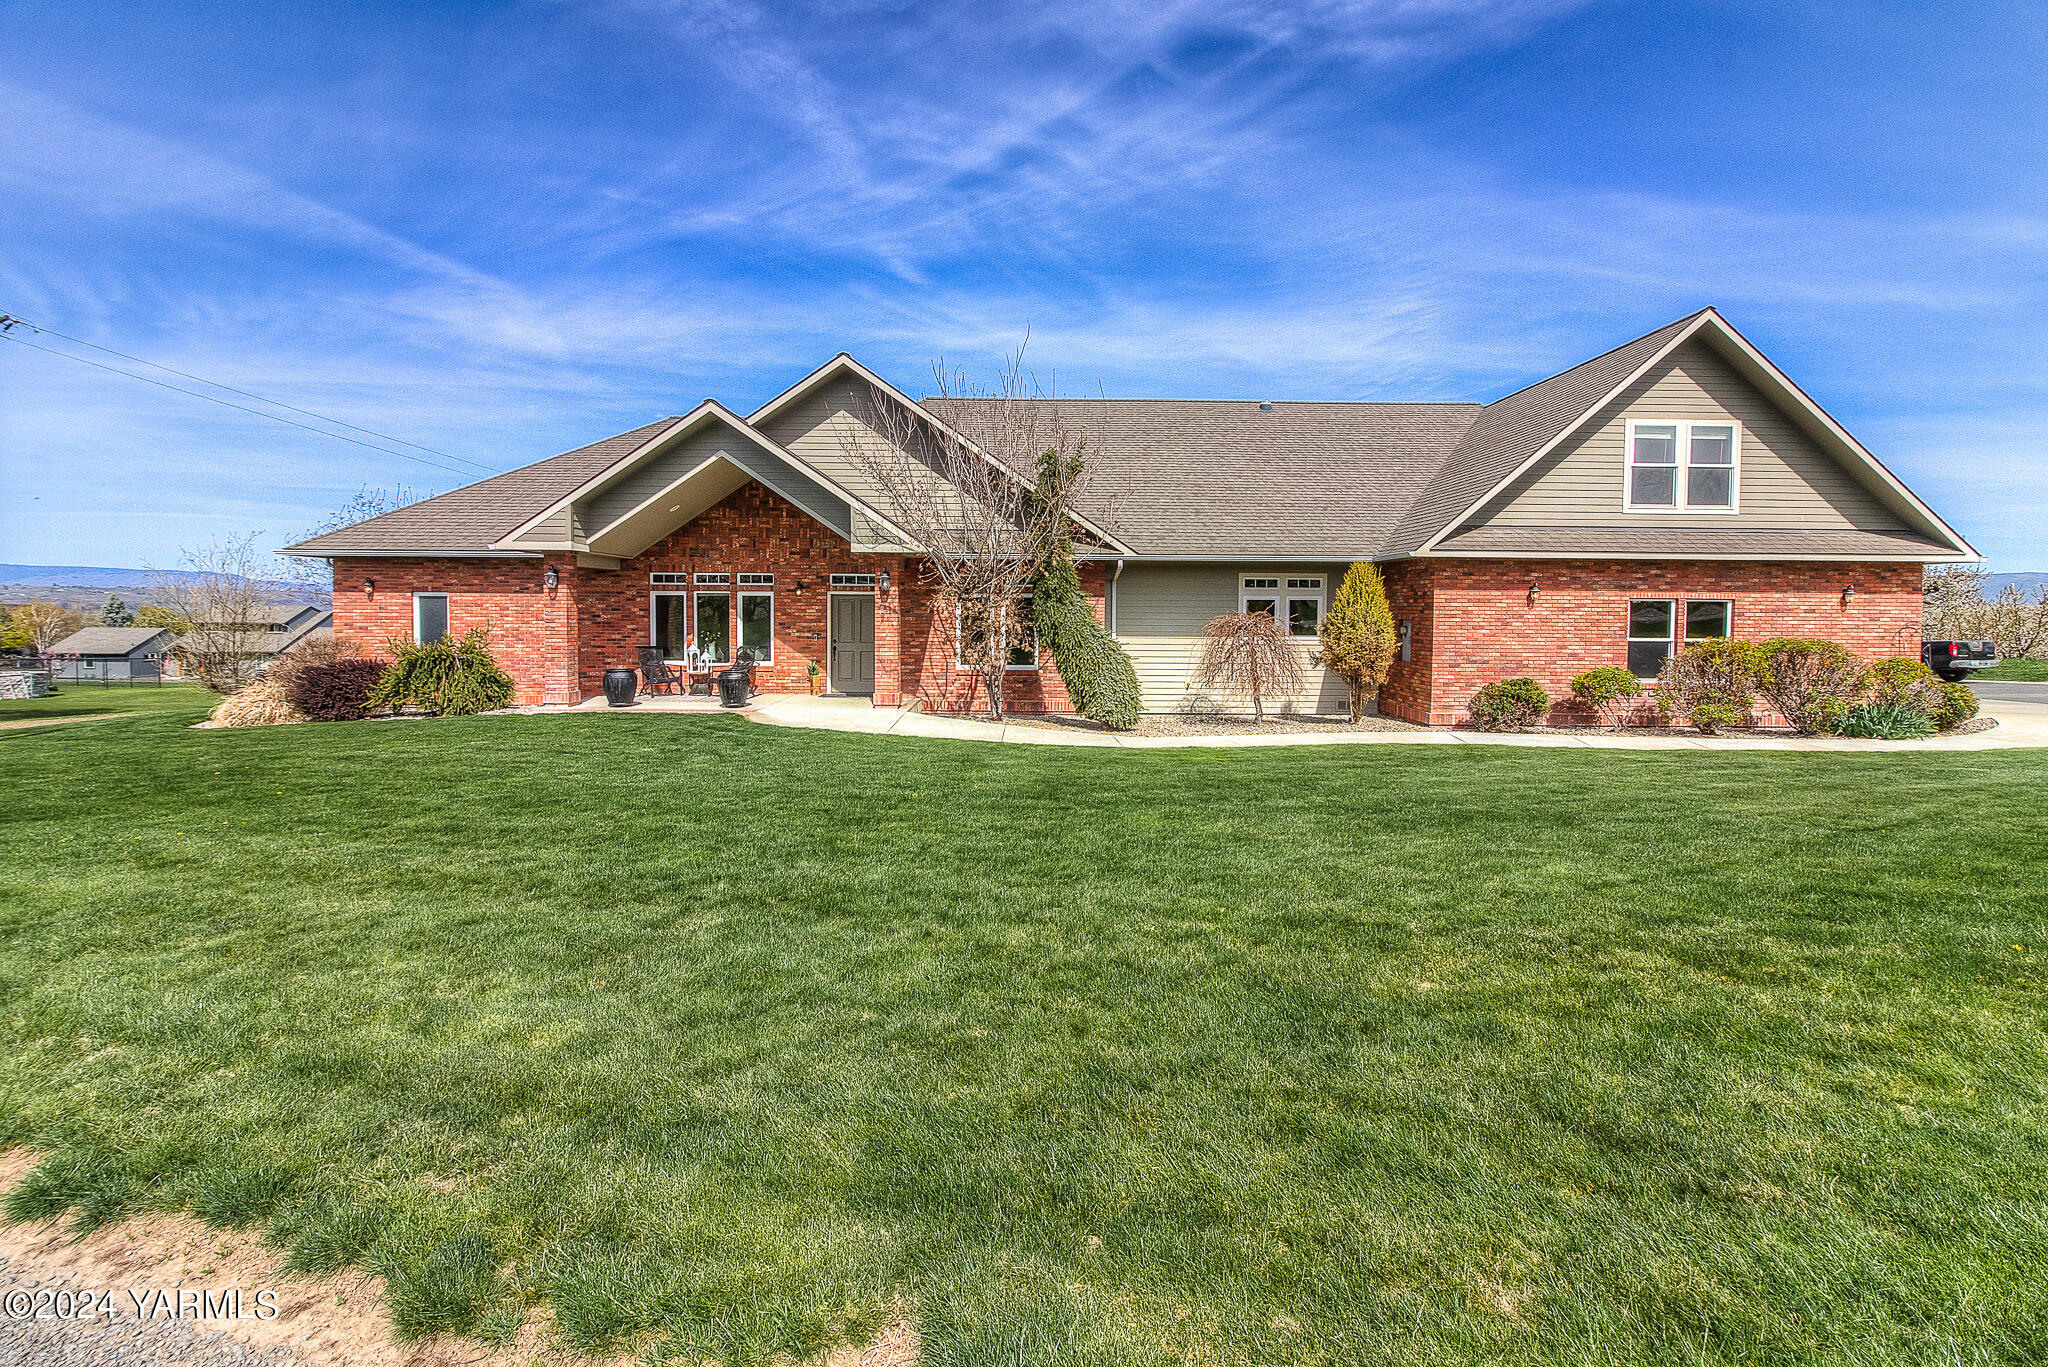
530, 629
1483, 626
929, 668
1410, 593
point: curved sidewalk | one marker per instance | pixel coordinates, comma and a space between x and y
2021, 725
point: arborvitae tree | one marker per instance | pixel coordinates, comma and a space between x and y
115, 613
1359, 637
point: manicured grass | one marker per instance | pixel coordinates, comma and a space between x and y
2015, 671
92, 700
717, 1037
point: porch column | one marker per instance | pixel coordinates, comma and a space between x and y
560, 644
889, 634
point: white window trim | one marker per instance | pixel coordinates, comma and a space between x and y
739, 616
695, 596
961, 666
1680, 627
1670, 639
447, 618
1679, 490
689, 636
1285, 597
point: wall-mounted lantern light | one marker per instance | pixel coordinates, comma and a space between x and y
369, 588
1847, 594
552, 578
884, 581
1534, 589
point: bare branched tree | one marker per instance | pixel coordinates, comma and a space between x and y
219, 590
982, 484
1251, 654
1957, 609
365, 504
42, 624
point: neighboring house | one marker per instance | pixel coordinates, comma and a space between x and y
1674, 488
273, 631
111, 653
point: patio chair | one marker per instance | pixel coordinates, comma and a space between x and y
656, 673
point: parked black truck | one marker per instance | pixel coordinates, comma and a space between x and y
1957, 660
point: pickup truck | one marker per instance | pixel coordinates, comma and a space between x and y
1955, 660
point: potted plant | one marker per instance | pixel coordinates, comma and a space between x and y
817, 680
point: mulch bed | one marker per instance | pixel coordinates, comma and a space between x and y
1191, 724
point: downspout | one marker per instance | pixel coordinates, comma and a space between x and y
1109, 595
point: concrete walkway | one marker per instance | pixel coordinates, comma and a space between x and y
2021, 725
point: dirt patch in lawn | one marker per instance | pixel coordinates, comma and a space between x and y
336, 1321
21, 722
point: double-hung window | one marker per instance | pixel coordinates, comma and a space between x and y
714, 627
429, 617
1679, 466
1296, 600
970, 629
671, 634
1654, 625
757, 616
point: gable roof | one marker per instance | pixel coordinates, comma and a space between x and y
1232, 478
109, 640
467, 521
1225, 479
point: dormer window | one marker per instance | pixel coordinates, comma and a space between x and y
1682, 467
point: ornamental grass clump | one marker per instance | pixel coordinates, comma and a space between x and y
1711, 683
1885, 721
1609, 693
266, 702
1509, 705
1810, 682
448, 677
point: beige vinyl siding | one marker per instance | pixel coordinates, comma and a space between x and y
649, 478
560, 529
1787, 482
1161, 610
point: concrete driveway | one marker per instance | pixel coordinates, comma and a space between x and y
2011, 692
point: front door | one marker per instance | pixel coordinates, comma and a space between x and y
851, 643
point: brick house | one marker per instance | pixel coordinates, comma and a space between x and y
1675, 488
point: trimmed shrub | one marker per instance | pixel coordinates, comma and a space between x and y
1509, 705
1885, 721
1359, 637
1958, 705
1609, 693
450, 678
1810, 682
1101, 681
336, 691
1711, 683
1906, 683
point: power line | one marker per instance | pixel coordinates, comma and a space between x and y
216, 384
242, 408
175, 389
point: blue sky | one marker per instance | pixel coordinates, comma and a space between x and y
505, 230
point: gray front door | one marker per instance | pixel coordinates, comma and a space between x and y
852, 643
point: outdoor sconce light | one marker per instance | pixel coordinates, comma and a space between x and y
1534, 589
552, 578
884, 581
369, 588
1847, 594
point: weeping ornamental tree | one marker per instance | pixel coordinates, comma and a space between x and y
1100, 680
1359, 638
1251, 654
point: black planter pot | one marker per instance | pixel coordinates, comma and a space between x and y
619, 686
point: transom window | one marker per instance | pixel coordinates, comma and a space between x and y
669, 577
853, 581
1653, 625
757, 580
1299, 597
703, 578
1682, 466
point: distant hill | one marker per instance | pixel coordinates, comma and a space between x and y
87, 586
2030, 581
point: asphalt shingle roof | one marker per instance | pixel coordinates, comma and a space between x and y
107, 640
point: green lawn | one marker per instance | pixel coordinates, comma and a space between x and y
2015, 671
94, 700
717, 1037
